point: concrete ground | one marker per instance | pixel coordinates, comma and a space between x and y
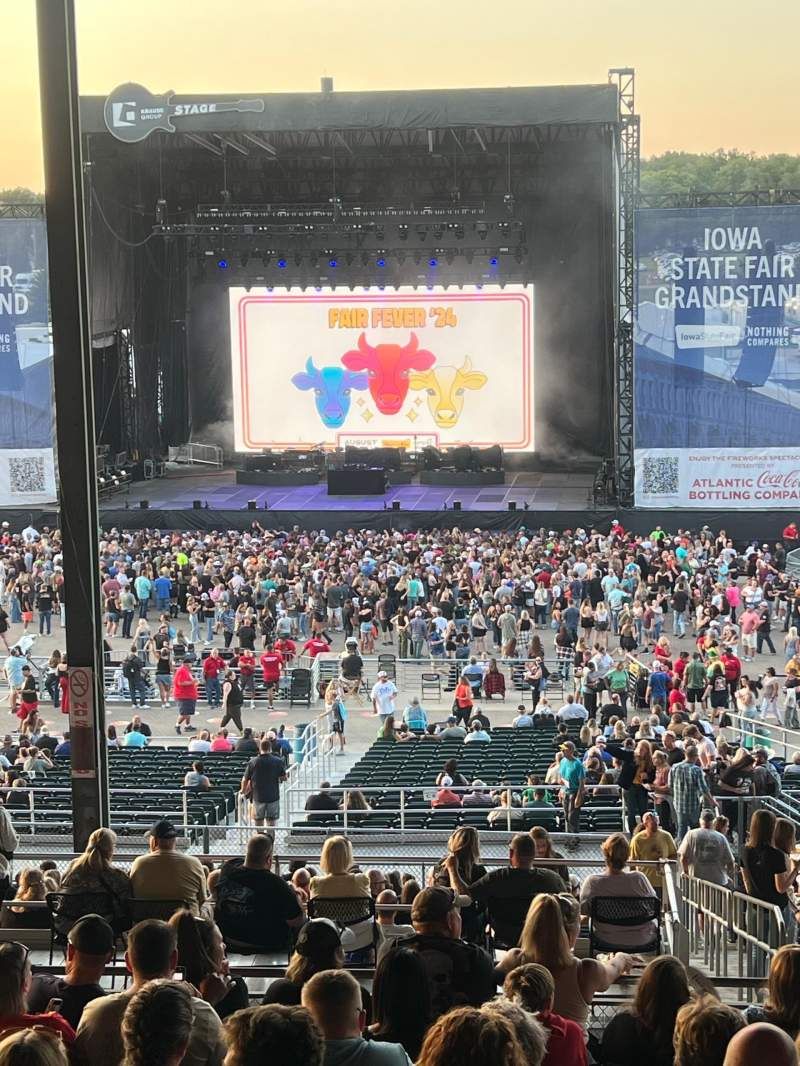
362, 726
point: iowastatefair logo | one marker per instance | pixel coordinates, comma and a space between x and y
131, 112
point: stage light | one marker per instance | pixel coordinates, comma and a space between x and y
481, 229
332, 263
222, 264
433, 262
281, 264
402, 232
493, 261
244, 259
380, 262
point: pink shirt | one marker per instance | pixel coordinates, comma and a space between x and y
749, 621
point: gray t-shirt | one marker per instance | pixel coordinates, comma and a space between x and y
708, 855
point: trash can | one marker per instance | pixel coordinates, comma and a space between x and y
298, 742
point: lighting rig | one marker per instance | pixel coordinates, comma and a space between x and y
311, 242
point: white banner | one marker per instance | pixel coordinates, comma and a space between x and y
755, 478
27, 476
383, 367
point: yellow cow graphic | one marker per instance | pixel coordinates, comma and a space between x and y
445, 387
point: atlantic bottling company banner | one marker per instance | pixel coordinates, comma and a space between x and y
27, 412
717, 357
402, 367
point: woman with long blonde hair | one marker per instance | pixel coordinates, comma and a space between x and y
465, 846
95, 872
548, 938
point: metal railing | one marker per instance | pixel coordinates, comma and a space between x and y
717, 918
295, 796
756, 732
207, 454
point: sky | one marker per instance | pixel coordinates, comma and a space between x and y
710, 73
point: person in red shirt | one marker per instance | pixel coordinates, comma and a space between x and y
15, 979
680, 665
790, 533
287, 648
184, 690
676, 700
532, 987
221, 742
733, 669
315, 646
271, 664
213, 666
246, 663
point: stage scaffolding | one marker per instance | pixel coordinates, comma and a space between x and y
627, 197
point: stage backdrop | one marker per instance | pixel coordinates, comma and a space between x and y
405, 367
27, 413
717, 358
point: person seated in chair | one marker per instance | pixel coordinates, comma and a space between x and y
619, 882
351, 667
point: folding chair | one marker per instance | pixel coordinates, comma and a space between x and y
624, 912
346, 912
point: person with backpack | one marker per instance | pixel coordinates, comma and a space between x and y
133, 672
459, 974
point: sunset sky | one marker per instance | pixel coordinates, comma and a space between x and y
710, 73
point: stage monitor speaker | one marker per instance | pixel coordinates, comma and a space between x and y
252, 505
395, 505
512, 505
456, 505
144, 504
197, 505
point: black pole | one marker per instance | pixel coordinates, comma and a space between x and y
72, 364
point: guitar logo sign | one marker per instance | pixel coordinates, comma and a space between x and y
132, 112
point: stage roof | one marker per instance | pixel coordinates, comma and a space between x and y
395, 110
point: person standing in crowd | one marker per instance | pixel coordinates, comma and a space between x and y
689, 791
261, 783
184, 689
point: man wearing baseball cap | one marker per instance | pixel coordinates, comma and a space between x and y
167, 873
459, 974
90, 946
383, 695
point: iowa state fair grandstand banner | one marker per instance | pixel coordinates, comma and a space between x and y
717, 358
27, 412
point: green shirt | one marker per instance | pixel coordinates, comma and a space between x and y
695, 674
618, 680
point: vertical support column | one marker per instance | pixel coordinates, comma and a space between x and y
74, 412
627, 197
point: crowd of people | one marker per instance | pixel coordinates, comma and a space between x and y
439, 990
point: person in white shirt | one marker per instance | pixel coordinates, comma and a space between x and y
383, 695
572, 711
390, 930
523, 720
201, 744
477, 732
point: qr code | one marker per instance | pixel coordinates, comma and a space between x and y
660, 475
27, 475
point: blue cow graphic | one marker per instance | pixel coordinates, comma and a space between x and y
331, 385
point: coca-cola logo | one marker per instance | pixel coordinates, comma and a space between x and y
789, 480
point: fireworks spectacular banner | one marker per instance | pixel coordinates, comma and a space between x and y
717, 357
383, 367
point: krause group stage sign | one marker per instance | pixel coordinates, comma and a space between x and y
717, 357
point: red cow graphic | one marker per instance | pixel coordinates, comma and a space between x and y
389, 367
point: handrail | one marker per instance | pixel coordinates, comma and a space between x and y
758, 728
716, 912
676, 932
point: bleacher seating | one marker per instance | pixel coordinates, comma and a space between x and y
139, 772
412, 768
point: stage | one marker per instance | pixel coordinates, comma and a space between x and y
556, 491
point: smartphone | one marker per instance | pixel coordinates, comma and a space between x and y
54, 1006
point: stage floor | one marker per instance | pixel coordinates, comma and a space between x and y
556, 491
